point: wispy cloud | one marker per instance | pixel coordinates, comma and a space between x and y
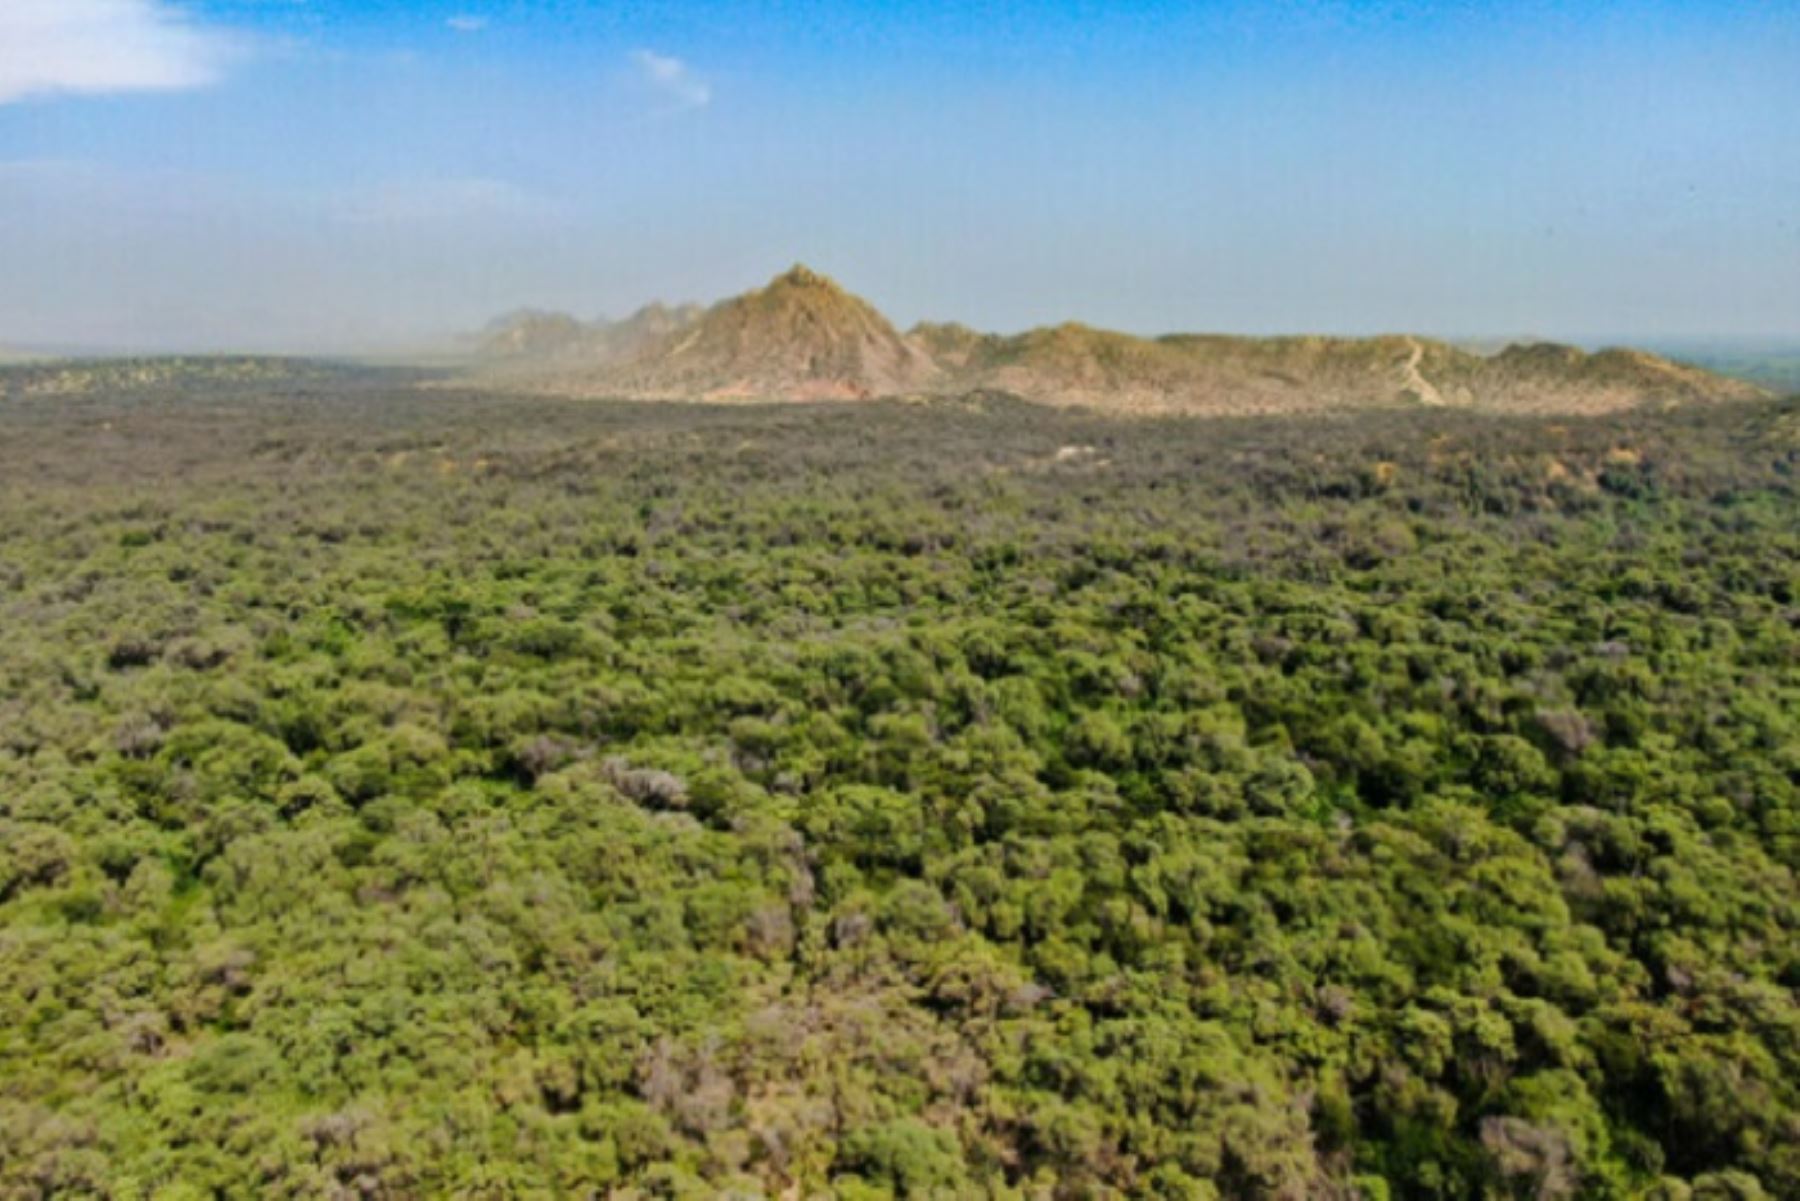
94, 47
672, 80
467, 23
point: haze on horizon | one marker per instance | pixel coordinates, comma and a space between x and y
358, 175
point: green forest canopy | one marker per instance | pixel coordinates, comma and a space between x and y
409, 793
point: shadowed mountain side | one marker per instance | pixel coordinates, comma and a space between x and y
804, 338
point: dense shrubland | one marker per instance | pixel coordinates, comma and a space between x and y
414, 794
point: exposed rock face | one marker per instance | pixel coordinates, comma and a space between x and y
802, 337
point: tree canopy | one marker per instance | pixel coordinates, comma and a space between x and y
415, 793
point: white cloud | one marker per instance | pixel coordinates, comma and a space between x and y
51, 47
672, 79
467, 23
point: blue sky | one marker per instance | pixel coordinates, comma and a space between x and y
318, 174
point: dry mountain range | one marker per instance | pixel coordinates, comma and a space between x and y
804, 338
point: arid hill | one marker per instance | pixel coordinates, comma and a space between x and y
805, 338
165, 373
800, 338
531, 336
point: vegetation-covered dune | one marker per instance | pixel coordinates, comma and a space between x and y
419, 794
1773, 366
180, 374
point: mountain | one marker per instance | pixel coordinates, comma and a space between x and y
802, 337
530, 334
535, 337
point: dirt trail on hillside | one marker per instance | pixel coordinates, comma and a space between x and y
1414, 382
